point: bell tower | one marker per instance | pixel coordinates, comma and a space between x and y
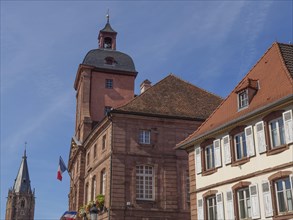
21, 199
104, 80
107, 36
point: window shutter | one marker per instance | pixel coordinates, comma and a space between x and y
217, 147
226, 144
260, 134
255, 211
267, 198
220, 207
288, 126
200, 209
230, 205
249, 140
198, 160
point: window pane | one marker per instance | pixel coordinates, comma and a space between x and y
282, 206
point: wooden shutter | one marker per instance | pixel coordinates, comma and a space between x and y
288, 126
220, 206
200, 215
198, 160
217, 146
226, 145
267, 198
260, 136
255, 211
230, 205
249, 140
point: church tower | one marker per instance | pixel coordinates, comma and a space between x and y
104, 80
21, 199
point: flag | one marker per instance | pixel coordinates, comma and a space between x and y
61, 169
69, 215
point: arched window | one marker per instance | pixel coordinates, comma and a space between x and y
103, 182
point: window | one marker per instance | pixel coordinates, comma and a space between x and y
93, 191
144, 182
109, 84
277, 131
103, 182
22, 204
107, 109
209, 157
277, 136
240, 146
95, 151
283, 191
244, 204
88, 159
86, 199
104, 142
144, 137
243, 99
211, 208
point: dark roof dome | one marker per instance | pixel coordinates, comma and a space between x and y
109, 59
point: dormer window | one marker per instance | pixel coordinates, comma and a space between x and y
110, 61
243, 99
108, 43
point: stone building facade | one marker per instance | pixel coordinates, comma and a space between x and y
123, 144
241, 158
21, 199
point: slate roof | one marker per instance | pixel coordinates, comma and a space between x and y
108, 28
173, 97
97, 58
287, 54
274, 74
22, 181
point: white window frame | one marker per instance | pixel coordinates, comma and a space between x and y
285, 194
144, 136
209, 161
145, 182
242, 139
213, 207
278, 131
243, 100
246, 200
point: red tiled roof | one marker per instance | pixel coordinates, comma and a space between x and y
173, 97
274, 74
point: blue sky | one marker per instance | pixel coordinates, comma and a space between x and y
211, 44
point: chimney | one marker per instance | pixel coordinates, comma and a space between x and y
146, 84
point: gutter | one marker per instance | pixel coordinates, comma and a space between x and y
226, 125
117, 111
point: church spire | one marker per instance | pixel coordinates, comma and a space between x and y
22, 181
